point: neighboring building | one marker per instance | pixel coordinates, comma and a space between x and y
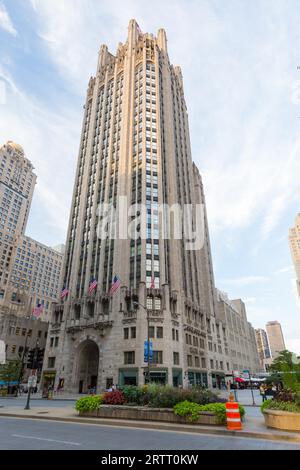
275, 337
20, 335
134, 143
29, 271
17, 182
263, 347
294, 240
239, 352
37, 270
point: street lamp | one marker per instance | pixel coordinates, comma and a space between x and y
136, 304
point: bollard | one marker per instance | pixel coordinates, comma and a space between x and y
233, 415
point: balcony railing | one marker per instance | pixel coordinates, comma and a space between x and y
91, 322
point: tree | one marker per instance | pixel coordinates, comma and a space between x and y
10, 371
284, 362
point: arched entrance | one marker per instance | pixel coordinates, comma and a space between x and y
88, 364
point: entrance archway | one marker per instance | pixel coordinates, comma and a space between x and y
88, 364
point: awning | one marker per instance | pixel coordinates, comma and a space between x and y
239, 379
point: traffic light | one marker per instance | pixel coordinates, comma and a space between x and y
30, 359
40, 358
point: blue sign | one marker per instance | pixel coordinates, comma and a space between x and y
146, 351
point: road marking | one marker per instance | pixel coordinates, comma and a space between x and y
45, 439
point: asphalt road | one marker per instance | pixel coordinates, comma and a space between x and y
36, 402
19, 434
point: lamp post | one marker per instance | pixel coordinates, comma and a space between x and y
136, 304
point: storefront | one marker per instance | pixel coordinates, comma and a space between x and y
197, 378
48, 380
177, 377
218, 380
128, 377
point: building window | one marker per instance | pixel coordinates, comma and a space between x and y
133, 332
157, 357
13, 349
126, 333
189, 361
203, 362
211, 364
56, 341
129, 357
159, 332
176, 358
51, 342
51, 362
151, 332
197, 361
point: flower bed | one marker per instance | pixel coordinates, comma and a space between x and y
123, 405
283, 415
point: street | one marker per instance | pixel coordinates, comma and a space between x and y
30, 434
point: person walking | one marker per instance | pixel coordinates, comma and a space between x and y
262, 390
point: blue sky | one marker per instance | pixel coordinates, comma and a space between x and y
239, 60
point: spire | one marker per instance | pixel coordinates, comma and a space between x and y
102, 56
133, 33
162, 40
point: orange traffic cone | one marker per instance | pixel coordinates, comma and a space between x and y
233, 415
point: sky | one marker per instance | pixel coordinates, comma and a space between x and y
241, 66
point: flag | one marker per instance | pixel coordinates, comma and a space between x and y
93, 285
152, 284
64, 293
115, 285
37, 311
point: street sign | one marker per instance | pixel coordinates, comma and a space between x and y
246, 374
32, 381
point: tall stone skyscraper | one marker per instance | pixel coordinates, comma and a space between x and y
275, 337
135, 146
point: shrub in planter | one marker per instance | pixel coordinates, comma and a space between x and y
116, 397
191, 410
89, 403
133, 394
281, 406
166, 396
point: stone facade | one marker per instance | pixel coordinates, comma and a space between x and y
238, 351
21, 334
135, 145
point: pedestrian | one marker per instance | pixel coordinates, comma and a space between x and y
262, 390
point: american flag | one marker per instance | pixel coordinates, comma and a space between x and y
64, 292
93, 285
152, 284
115, 285
37, 311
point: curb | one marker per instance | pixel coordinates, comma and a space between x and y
160, 426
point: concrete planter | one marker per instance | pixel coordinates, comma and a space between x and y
284, 420
148, 414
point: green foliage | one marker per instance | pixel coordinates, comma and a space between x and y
133, 394
265, 404
191, 410
284, 362
187, 409
280, 405
10, 371
89, 403
168, 397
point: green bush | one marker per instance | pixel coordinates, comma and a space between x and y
158, 396
133, 394
89, 403
187, 409
191, 410
280, 405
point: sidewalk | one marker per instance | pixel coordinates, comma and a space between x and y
253, 427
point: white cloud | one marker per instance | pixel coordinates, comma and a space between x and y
245, 281
5, 21
50, 140
284, 270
